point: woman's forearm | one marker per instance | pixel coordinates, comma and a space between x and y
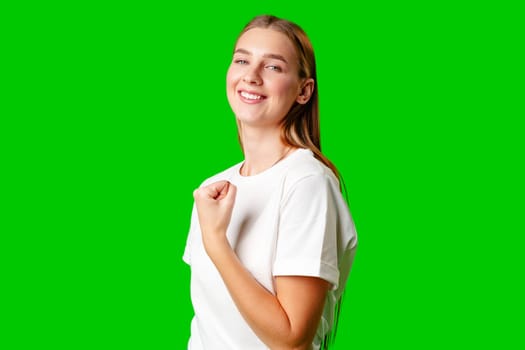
261, 309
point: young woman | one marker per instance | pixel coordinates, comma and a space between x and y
271, 241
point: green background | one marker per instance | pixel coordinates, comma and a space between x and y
112, 113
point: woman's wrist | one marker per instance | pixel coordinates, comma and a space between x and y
215, 243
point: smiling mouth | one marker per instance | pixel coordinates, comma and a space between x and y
251, 97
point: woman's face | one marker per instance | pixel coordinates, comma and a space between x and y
263, 81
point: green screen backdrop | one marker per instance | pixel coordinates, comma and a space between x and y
113, 112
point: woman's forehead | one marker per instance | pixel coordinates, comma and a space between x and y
265, 41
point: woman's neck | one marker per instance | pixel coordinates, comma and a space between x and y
262, 151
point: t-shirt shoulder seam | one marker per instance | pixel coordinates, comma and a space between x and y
321, 174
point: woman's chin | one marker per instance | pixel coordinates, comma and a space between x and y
250, 118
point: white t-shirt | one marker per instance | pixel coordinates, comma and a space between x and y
290, 219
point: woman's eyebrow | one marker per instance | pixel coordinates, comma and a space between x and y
267, 55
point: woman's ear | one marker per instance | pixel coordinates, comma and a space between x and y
307, 89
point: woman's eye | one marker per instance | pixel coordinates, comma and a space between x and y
274, 68
240, 61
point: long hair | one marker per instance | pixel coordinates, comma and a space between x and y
300, 127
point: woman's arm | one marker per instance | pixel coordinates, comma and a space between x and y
287, 320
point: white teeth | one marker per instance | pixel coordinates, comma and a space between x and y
250, 96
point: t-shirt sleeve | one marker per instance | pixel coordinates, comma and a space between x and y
307, 236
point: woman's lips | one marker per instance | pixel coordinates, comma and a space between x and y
251, 97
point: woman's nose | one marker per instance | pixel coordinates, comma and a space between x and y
252, 77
